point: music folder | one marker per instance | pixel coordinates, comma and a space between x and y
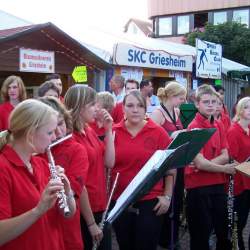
244, 168
196, 138
180, 152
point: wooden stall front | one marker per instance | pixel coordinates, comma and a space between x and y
46, 37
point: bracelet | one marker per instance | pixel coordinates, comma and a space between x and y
70, 195
168, 197
91, 224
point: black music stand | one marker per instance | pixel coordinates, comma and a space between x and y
181, 152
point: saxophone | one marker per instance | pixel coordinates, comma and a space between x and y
62, 198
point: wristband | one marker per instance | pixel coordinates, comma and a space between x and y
91, 224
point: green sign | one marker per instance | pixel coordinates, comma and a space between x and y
79, 74
218, 82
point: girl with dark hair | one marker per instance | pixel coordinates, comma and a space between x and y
136, 140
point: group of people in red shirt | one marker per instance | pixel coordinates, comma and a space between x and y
30, 216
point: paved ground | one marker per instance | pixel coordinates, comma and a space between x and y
184, 239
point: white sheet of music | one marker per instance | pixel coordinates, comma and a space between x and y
152, 164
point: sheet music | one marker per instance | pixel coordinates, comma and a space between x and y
152, 164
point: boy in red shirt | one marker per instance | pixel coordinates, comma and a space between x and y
117, 112
205, 179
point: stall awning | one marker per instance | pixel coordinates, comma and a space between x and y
235, 70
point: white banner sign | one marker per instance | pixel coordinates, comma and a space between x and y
208, 60
129, 55
132, 73
36, 61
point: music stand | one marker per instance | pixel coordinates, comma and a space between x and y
184, 148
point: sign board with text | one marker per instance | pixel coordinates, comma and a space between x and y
208, 59
132, 73
38, 61
130, 55
79, 74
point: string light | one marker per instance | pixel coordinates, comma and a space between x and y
59, 52
8, 50
70, 50
76, 57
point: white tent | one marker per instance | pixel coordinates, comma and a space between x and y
102, 43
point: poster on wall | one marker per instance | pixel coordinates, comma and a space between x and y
37, 61
179, 77
132, 73
208, 59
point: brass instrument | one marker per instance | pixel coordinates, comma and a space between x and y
62, 198
101, 225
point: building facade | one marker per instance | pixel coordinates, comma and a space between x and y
172, 19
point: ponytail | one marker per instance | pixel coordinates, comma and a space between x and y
4, 138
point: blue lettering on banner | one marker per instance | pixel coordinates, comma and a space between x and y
142, 54
167, 61
217, 59
138, 56
130, 55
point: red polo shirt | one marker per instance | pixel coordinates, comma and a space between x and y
96, 181
100, 131
133, 152
239, 150
20, 192
118, 113
72, 156
225, 120
199, 178
5, 110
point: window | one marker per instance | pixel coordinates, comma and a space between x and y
165, 26
241, 16
220, 17
182, 24
200, 20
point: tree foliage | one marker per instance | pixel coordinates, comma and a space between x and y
233, 36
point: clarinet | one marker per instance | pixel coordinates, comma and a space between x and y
235, 233
230, 207
62, 198
232, 216
101, 225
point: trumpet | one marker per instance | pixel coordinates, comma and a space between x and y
62, 198
101, 225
